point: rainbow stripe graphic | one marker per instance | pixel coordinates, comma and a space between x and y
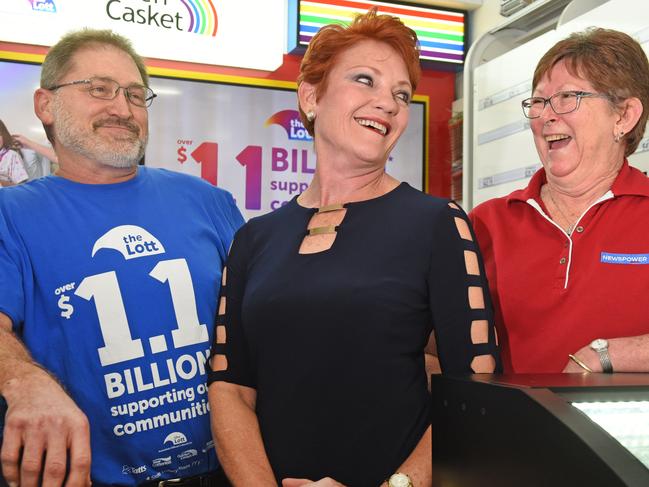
440, 32
202, 17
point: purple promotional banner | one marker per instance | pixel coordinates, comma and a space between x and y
259, 150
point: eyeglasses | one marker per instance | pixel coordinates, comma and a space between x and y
107, 89
561, 102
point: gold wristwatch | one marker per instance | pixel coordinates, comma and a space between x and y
400, 480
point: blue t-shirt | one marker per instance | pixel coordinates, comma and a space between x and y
113, 288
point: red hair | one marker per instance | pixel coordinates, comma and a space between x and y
333, 39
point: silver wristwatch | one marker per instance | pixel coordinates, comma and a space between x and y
601, 347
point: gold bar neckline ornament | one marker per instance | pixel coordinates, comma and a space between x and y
322, 230
332, 207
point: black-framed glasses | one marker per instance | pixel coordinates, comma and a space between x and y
561, 102
107, 89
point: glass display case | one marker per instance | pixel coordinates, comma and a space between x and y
541, 430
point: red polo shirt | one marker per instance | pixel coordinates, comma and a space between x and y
554, 293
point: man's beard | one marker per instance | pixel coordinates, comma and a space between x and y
121, 153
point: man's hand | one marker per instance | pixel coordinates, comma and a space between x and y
44, 430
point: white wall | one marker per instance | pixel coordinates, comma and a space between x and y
484, 18
480, 20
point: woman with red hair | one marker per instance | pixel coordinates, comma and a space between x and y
330, 303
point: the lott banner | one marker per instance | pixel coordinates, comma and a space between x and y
250, 141
247, 139
245, 34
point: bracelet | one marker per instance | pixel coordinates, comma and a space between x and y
579, 362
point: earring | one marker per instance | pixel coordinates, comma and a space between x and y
619, 136
310, 115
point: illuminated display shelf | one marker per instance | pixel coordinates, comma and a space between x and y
541, 430
626, 421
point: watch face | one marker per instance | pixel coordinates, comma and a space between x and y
599, 344
399, 480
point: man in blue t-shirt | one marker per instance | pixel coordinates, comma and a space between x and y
109, 278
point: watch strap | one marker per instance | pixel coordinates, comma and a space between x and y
605, 360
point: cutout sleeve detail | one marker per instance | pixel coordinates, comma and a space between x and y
460, 301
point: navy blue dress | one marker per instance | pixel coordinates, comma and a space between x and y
333, 341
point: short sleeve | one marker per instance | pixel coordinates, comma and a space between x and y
230, 357
459, 298
235, 214
12, 299
15, 168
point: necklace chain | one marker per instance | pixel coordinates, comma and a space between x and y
571, 226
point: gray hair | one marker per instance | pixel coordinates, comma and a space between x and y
59, 58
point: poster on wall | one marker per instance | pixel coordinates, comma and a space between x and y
250, 141
246, 139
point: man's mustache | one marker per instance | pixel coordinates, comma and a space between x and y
115, 121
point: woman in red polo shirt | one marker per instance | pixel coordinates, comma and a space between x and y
567, 258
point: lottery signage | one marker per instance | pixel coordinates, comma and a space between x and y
250, 141
223, 32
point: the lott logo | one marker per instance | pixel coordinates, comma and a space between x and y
290, 121
129, 240
175, 439
43, 6
195, 16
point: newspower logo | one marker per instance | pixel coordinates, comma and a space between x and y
195, 16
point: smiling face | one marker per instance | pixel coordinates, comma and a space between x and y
106, 132
578, 147
365, 107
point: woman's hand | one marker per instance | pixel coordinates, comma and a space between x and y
325, 482
627, 354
